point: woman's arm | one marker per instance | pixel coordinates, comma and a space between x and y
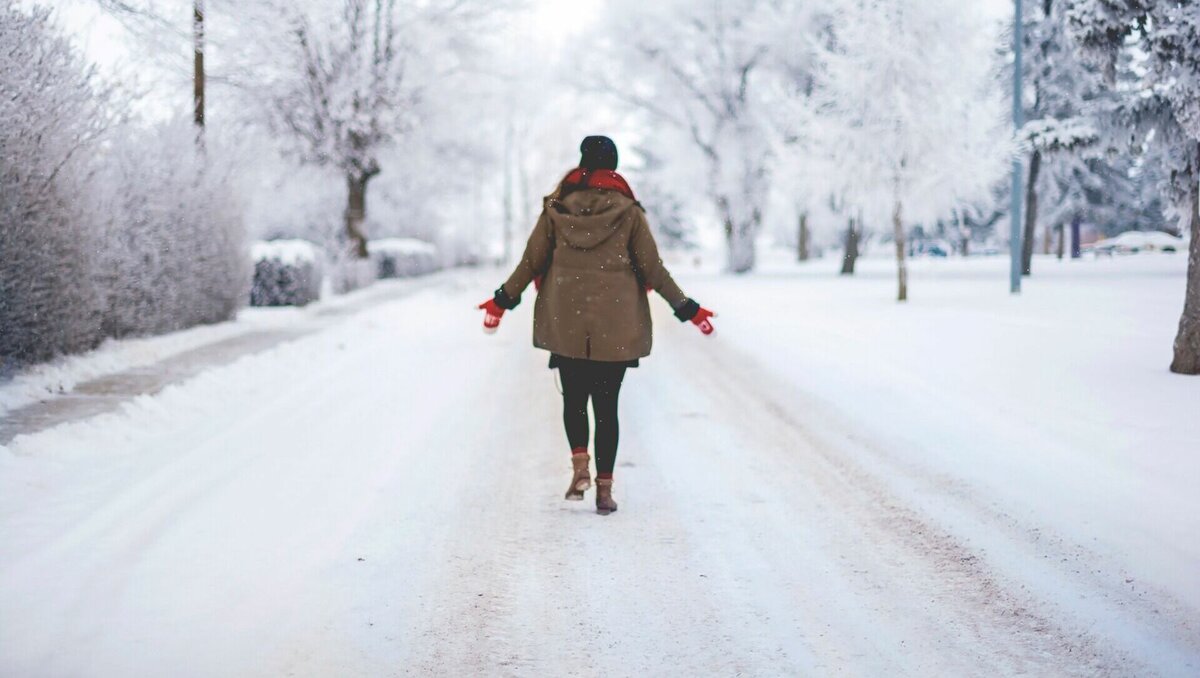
533, 263
649, 265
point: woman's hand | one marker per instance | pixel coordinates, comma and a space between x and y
690, 310
701, 320
491, 316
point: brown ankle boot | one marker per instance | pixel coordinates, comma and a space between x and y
581, 479
604, 501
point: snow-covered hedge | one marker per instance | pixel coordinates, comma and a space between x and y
106, 228
48, 104
404, 257
286, 273
175, 246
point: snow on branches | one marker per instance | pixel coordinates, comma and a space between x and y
353, 80
693, 70
1156, 108
107, 228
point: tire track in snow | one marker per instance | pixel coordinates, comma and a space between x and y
1003, 628
536, 585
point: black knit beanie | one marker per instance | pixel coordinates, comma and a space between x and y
598, 153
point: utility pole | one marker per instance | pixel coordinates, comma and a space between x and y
198, 66
1014, 237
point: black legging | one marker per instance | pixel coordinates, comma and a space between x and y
584, 379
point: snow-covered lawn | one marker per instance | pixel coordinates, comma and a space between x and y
970, 484
1055, 406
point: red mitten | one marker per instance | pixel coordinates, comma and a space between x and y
701, 320
492, 315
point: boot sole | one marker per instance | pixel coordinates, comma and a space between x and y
576, 492
605, 512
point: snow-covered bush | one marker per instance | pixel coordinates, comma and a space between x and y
286, 273
175, 248
404, 257
106, 228
51, 108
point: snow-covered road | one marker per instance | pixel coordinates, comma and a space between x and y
384, 498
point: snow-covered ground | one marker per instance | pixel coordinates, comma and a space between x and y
970, 484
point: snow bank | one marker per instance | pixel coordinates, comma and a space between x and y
61, 375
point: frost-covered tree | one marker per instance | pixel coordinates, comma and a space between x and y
350, 95
909, 111
349, 82
694, 67
108, 227
51, 114
1059, 133
797, 32
1078, 171
1161, 115
668, 215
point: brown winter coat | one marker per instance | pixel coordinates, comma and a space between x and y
596, 253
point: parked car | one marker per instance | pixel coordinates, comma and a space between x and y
1135, 242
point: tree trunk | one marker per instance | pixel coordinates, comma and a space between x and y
1076, 246
1031, 205
1047, 238
1062, 240
198, 63
803, 237
901, 263
356, 213
740, 242
739, 238
1187, 342
851, 255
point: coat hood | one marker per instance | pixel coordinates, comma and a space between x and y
587, 218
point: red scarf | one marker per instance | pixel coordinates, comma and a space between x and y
607, 180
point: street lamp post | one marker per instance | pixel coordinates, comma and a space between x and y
1014, 237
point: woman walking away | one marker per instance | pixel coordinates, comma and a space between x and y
593, 260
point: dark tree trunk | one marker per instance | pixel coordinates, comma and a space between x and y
1076, 246
1062, 240
901, 263
741, 255
1047, 238
356, 213
1031, 206
851, 255
1187, 341
802, 237
198, 63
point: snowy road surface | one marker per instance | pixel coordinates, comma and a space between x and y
384, 498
